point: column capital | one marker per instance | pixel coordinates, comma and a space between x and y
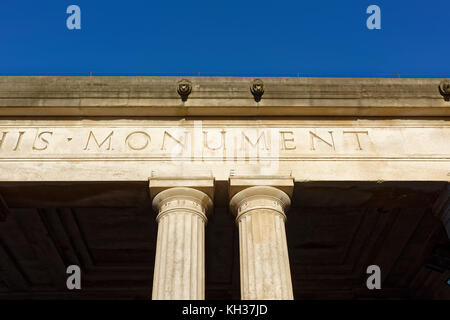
184, 199
259, 198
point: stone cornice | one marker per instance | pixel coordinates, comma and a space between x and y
220, 96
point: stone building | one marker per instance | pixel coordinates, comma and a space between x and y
224, 188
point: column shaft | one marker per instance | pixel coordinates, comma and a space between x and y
264, 261
180, 252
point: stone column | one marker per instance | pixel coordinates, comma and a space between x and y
264, 262
180, 251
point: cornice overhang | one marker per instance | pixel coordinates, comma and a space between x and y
220, 96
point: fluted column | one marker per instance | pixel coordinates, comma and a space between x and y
180, 251
264, 262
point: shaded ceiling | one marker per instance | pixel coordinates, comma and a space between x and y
334, 230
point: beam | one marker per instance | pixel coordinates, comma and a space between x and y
441, 208
4, 210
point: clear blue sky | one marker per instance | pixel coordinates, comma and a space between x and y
226, 37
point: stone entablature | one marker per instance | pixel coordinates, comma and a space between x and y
204, 139
409, 149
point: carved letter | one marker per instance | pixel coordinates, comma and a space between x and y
222, 142
284, 140
91, 134
129, 139
313, 135
3, 138
356, 133
174, 139
40, 138
19, 139
262, 136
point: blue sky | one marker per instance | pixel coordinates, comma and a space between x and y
226, 37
